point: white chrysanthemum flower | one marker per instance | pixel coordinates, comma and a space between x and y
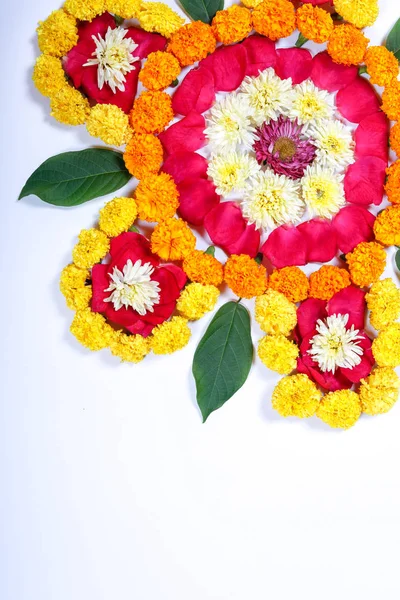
134, 287
229, 125
322, 191
334, 142
271, 200
267, 95
310, 104
335, 345
230, 172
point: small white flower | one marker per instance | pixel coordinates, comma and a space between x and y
334, 142
231, 171
229, 125
134, 287
310, 104
335, 345
322, 191
271, 200
267, 95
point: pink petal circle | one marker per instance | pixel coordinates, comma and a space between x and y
261, 54
185, 165
372, 136
320, 238
295, 63
353, 224
196, 198
185, 135
364, 181
328, 75
286, 246
358, 100
195, 92
228, 66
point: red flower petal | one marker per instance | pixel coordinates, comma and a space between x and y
123, 99
371, 137
248, 243
228, 65
131, 245
366, 364
358, 100
170, 291
185, 135
295, 63
308, 314
196, 198
100, 282
320, 238
285, 247
147, 42
329, 381
328, 75
177, 272
349, 301
364, 181
261, 54
353, 224
316, 2
228, 229
97, 27
195, 92
141, 328
185, 165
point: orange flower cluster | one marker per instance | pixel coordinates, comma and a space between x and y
382, 65
203, 268
192, 43
314, 23
347, 45
143, 155
292, 282
157, 198
387, 226
394, 141
274, 18
391, 100
159, 71
392, 186
172, 240
232, 25
327, 281
151, 112
244, 276
366, 263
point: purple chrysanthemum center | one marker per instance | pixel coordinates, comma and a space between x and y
282, 146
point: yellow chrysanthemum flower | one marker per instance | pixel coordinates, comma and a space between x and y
93, 245
251, 3
275, 314
109, 123
366, 263
129, 348
278, 353
203, 268
157, 198
68, 106
57, 34
48, 75
361, 13
159, 18
126, 9
172, 240
340, 409
383, 300
73, 287
91, 329
159, 71
386, 347
117, 216
170, 336
296, 396
382, 65
196, 300
380, 391
85, 10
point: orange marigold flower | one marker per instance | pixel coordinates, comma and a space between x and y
382, 65
387, 226
366, 263
314, 23
143, 155
159, 71
347, 45
244, 276
172, 240
391, 100
394, 141
274, 18
392, 186
192, 42
292, 282
203, 268
151, 112
232, 25
327, 281
157, 198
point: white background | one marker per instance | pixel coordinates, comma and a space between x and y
111, 488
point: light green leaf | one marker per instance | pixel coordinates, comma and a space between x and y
202, 10
393, 40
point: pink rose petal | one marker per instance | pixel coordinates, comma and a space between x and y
308, 314
367, 362
329, 76
147, 42
185, 165
349, 301
228, 229
185, 135
321, 240
372, 137
248, 243
197, 197
364, 181
358, 100
295, 63
285, 247
353, 224
228, 65
261, 54
195, 92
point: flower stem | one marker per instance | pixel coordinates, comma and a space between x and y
301, 40
362, 69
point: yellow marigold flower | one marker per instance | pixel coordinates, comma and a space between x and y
203, 268
85, 10
232, 24
192, 43
57, 34
366, 263
387, 226
48, 75
275, 314
386, 346
361, 13
296, 396
274, 18
251, 3
383, 300
394, 141
117, 216
159, 71
278, 353
172, 240
327, 281
244, 276
129, 348
109, 123
68, 106
292, 282
157, 198
170, 336
73, 287
392, 187
91, 329
382, 65
391, 100
126, 9
159, 18
340, 409
93, 245
314, 23
143, 155
380, 391
151, 112
347, 45
196, 300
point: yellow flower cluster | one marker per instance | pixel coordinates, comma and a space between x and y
143, 155
394, 141
292, 282
151, 112
392, 187
340, 409
58, 34
109, 123
129, 348
157, 17
203, 268
387, 226
382, 65
172, 240
91, 329
85, 10
196, 300
314, 23
244, 276
391, 100
278, 353
232, 24
361, 13
327, 281
157, 197
126, 9
170, 336
347, 45
380, 391
296, 396
366, 263
48, 75
159, 71
383, 301
68, 106
386, 346
274, 18
92, 246
73, 287
117, 216
275, 314
192, 43
251, 3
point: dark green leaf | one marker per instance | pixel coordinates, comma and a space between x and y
223, 358
202, 10
301, 40
259, 258
393, 40
210, 250
72, 178
397, 259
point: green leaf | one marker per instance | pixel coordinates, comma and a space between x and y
202, 10
72, 178
223, 358
301, 40
397, 259
210, 250
393, 40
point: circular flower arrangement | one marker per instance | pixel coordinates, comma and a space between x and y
275, 153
